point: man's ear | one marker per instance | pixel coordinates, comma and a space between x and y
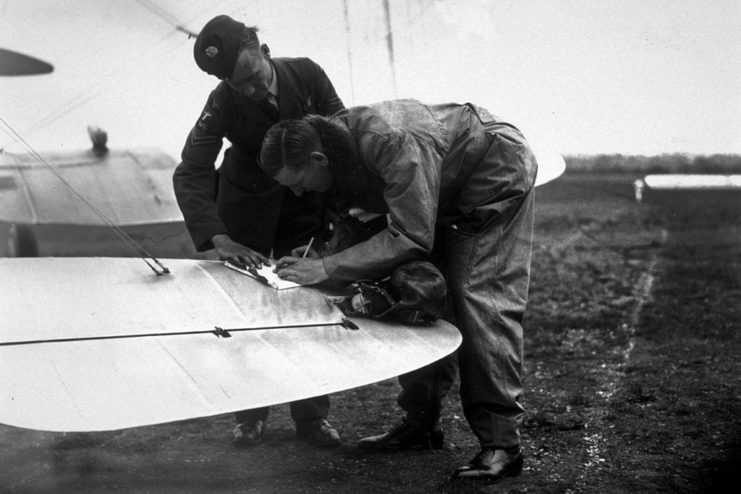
319, 158
265, 50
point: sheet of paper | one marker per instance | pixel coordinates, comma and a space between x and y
266, 272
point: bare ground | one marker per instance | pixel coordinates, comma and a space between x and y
632, 378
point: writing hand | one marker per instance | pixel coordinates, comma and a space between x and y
309, 271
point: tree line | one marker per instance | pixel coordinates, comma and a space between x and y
663, 163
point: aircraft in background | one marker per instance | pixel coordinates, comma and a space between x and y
13, 63
95, 201
77, 203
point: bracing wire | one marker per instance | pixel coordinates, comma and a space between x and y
140, 251
71, 105
166, 16
94, 90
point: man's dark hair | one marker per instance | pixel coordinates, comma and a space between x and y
289, 143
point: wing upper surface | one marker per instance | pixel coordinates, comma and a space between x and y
112, 384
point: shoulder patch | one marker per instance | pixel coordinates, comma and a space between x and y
199, 136
205, 122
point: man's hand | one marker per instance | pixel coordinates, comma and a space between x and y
236, 253
302, 271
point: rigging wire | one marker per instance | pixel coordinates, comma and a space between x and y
81, 99
120, 70
95, 89
166, 16
140, 251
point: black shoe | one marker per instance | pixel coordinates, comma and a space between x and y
404, 436
248, 434
318, 432
491, 465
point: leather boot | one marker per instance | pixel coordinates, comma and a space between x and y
248, 434
403, 437
318, 432
491, 465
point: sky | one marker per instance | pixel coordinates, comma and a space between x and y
579, 77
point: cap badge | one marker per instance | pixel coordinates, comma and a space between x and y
211, 51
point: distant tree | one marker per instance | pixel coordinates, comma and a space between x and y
662, 163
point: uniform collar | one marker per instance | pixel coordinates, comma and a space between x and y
273, 88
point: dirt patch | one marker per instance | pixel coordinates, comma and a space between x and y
632, 379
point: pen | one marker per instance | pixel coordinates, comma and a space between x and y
308, 247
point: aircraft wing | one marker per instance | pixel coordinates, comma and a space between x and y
92, 344
551, 165
128, 187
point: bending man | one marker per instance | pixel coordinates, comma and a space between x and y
457, 184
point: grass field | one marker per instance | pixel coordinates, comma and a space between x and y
632, 377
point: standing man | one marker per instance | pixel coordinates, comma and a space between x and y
238, 209
457, 184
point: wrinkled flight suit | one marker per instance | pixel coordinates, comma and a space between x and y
457, 184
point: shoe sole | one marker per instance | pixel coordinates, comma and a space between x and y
428, 440
246, 443
512, 470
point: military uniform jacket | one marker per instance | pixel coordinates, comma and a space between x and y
240, 199
429, 168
